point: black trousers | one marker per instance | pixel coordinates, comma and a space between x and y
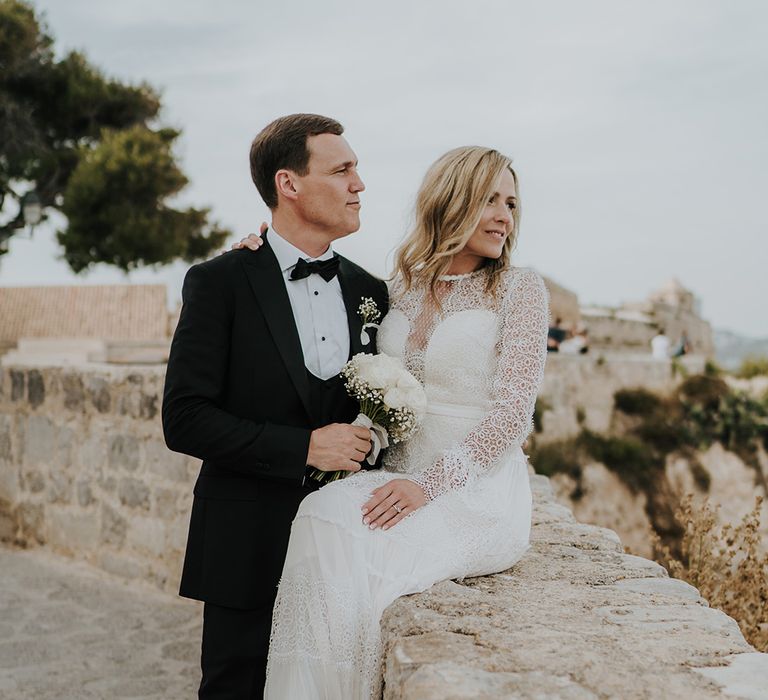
234, 658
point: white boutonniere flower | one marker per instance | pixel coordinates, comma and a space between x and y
370, 314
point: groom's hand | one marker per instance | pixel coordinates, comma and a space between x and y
338, 446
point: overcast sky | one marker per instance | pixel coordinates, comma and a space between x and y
638, 130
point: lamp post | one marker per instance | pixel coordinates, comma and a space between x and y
32, 209
31, 216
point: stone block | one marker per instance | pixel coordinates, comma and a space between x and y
128, 403
578, 535
10, 488
18, 383
8, 525
107, 483
59, 486
33, 481
73, 531
124, 452
74, 392
35, 388
93, 453
97, 390
166, 464
666, 619
39, 441
148, 406
6, 445
653, 587
124, 566
113, 526
133, 493
452, 680
31, 518
176, 533
165, 502
551, 512
147, 536
745, 676
541, 486
65, 448
84, 494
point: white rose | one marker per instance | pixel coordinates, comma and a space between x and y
395, 398
380, 371
407, 381
416, 400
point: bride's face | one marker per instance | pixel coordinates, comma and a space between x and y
497, 222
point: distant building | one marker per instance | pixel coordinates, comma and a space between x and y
631, 326
77, 322
563, 304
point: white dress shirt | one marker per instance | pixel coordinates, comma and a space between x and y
318, 308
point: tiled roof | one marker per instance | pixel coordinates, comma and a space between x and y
108, 312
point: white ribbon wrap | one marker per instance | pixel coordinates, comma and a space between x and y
365, 339
379, 436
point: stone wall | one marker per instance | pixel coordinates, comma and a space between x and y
576, 618
631, 330
84, 469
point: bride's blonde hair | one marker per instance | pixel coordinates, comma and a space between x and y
449, 206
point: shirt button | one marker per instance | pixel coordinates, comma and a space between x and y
316, 293
323, 338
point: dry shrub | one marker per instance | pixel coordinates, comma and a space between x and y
725, 563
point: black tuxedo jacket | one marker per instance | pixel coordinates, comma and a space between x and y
237, 397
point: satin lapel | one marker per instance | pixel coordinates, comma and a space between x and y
351, 291
267, 283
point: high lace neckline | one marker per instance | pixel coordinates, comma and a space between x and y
463, 276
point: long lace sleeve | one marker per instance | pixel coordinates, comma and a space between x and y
524, 319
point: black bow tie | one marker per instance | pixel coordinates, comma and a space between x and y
327, 269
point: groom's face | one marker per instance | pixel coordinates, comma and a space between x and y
328, 196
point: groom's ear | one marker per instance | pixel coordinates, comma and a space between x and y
285, 184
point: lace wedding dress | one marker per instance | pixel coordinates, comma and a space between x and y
481, 360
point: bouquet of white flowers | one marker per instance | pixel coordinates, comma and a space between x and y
392, 403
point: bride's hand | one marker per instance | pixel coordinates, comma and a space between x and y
252, 241
390, 503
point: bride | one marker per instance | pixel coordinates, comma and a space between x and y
455, 500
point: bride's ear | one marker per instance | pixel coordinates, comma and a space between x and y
285, 184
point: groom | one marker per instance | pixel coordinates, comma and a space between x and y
253, 388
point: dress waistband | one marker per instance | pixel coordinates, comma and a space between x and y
456, 410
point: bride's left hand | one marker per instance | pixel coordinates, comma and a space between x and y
380, 510
252, 241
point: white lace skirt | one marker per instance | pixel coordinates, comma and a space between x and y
339, 576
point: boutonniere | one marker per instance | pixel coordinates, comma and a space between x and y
370, 314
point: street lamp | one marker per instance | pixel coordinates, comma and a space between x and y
32, 209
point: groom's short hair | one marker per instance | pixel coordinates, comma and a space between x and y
283, 144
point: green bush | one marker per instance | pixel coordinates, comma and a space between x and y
701, 476
631, 459
753, 366
664, 434
703, 391
636, 402
712, 369
559, 457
